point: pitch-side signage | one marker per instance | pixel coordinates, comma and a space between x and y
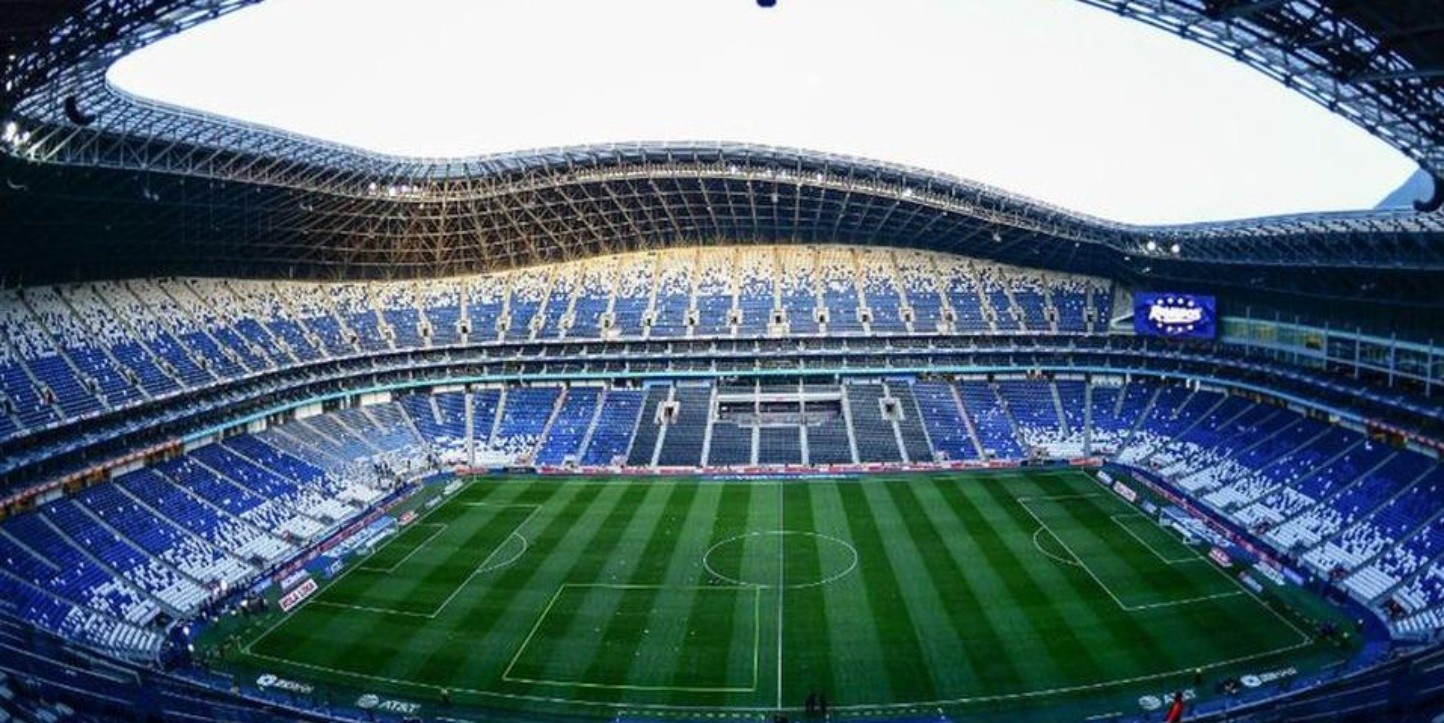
293, 579
272, 682
371, 701
1124, 491
293, 598
1255, 680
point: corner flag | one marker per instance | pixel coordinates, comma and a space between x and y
1175, 712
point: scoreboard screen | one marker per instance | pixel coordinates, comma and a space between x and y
1174, 315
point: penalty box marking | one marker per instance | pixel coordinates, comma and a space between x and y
1023, 502
756, 640
1192, 556
437, 527
486, 566
316, 598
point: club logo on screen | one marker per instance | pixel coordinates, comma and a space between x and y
1179, 313
1174, 315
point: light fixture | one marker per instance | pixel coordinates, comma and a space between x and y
1151, 245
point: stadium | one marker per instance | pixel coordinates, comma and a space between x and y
699, 429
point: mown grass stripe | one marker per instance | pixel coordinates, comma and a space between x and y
320, 635
437, 573
977, 660
593, 562
359, 586
732, 507
687, 648
490, 548
808, 665
760, 562
447, 648
626, 633
1181, 581
486, 627
374, 649
1128, 643
903, 658
999, 592
939, 633
1128, 570
852, 630
1251, 628
1057, 651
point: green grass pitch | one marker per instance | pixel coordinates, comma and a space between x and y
967, 594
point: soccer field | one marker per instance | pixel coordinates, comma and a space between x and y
959, 593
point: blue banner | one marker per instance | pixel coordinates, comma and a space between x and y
1177, 316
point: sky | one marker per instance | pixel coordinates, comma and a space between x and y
1050, 99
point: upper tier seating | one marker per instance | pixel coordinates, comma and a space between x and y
81, 350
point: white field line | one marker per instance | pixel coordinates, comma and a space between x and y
1084, 564
1192, 557
1039, 546
515, 531
781, 581
506, 674
438, 527
316, 596
363, 608
1304, 637
1079, 496
756, 641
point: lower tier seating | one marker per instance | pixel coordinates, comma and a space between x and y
106, 564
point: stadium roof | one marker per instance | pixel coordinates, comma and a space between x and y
99, 184
1052, 100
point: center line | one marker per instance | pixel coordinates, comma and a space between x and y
781, 578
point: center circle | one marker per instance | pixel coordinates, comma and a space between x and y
780, 558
